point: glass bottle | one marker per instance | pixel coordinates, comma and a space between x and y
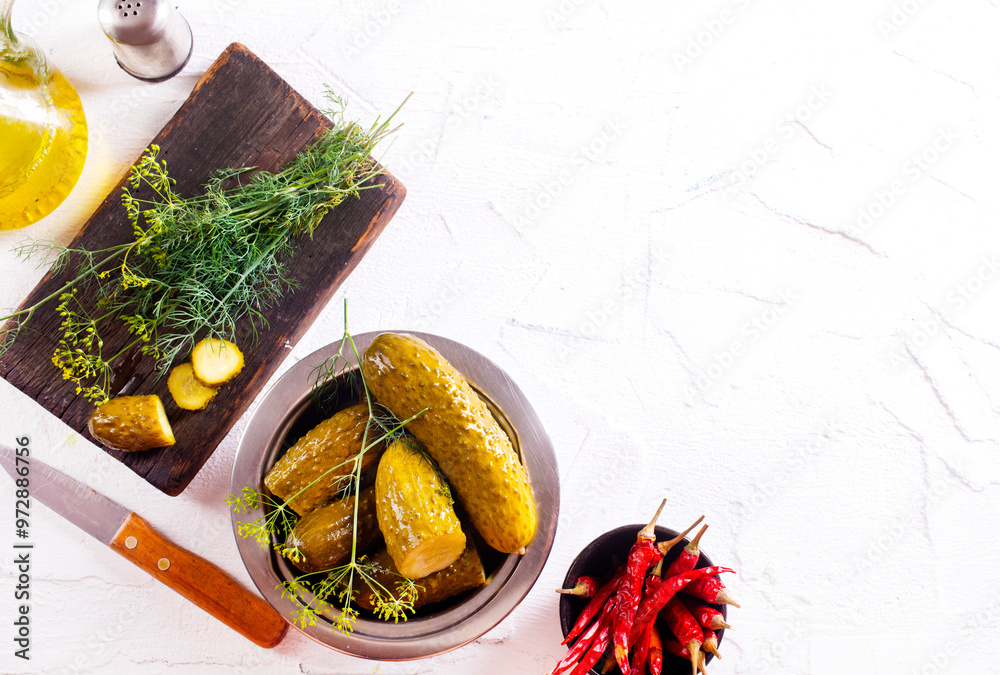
43, 132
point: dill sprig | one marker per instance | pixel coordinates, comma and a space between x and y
325, 378
198, 265
278, 520
317, 593
79, 355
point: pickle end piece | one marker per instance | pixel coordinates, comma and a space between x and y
432, 555
215, 361
132, 424
188, 391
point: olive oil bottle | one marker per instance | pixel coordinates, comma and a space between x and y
43, 131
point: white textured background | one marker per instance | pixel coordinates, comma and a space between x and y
742, 254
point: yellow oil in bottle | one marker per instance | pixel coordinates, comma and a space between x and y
43, 143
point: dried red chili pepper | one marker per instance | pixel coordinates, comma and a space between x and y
597, 649
596, 604
654, 579
586, 587
579, 650
685, 627
710, 589
688, 558
655, 650
641, 650
711, 643
642, 556
707, 616
650, 606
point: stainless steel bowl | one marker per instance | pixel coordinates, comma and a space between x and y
461, 622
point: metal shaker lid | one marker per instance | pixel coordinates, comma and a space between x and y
150, 38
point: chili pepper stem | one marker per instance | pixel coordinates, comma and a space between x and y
725, 599
658, 569
585, 587
718, 623
695, 648
693, 546
688, 558
649, 532
712, 649
665, 546
701, 663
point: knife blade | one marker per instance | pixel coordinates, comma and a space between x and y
130, 535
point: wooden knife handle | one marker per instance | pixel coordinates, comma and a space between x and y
199, 581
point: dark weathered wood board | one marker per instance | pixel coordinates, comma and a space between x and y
240, 114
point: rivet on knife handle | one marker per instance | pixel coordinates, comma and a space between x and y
199, 581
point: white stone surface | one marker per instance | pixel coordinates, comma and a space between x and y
668, 257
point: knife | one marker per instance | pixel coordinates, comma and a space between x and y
192, 576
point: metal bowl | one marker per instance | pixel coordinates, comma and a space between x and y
510, 577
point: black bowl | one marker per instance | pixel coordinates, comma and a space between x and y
597, 559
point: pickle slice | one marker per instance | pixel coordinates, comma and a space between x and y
188, 392
215, 361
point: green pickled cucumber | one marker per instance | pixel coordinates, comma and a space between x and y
325, 453
463, 575
415, 512
131, 424
324, 536
406, 375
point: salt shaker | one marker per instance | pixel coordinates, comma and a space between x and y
151, 40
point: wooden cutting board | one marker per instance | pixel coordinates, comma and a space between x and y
240, 114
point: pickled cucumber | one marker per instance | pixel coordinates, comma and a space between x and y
464, 574
407, 375
421, 530
325, 453
131, 424
324, 536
